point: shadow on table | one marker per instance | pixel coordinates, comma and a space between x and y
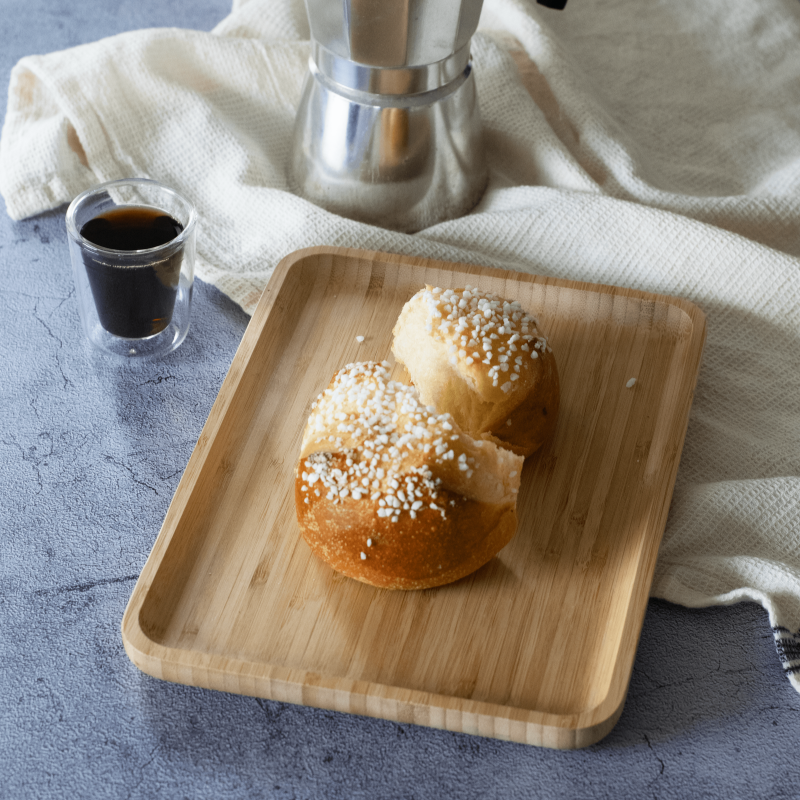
694, 668
699, 667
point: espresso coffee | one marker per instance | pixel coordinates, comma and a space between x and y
134, 298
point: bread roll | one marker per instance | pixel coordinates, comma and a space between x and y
483, 360
393, 494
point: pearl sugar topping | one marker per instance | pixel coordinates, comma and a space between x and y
381, 426
482, 328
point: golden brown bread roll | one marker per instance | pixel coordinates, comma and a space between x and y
483, 360
393, 494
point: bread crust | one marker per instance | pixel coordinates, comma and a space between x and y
431, 550
393, 494
483, 360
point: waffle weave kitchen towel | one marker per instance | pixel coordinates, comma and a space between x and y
651, 145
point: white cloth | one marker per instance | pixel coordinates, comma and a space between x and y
662, 152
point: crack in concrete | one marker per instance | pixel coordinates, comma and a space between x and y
656, 686
84, 587
661, 771
67, 381
117, 463
159, 379
63, 300
32, 404
35, 296
28, 458
46, 326
143, 767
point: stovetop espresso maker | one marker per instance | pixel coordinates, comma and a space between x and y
388, 130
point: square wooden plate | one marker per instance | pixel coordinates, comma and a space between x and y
538, 645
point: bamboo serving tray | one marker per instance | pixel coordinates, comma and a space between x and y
538, 645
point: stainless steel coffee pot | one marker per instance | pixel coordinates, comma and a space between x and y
388, 130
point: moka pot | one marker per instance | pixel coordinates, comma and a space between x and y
388, 129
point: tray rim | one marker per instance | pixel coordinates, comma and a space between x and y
304, 687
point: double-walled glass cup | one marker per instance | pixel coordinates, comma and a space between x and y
134, 298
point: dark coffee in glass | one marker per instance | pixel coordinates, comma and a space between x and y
133, 300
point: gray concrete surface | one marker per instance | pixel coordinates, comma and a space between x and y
91, 451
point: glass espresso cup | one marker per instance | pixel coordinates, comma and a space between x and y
132, 246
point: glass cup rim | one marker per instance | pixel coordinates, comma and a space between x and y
75, 234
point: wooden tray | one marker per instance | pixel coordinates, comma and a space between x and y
538, 645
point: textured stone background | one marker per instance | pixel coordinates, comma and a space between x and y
90, 453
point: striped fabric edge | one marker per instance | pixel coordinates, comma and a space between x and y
788, 646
